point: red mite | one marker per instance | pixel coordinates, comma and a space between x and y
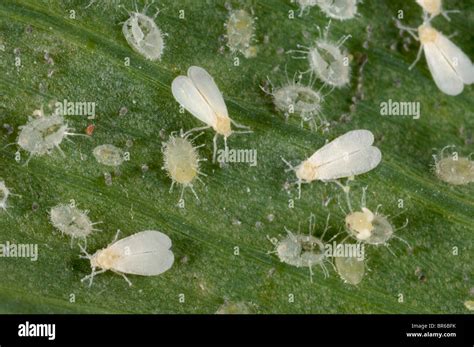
90, 129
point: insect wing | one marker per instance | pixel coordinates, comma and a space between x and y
457, 58
344, 145
186, 93
145, 253
352, 164
209, 90
442, 71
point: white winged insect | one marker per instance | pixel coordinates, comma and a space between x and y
450, 67
146, 253
434, 8
348, 155
198, 93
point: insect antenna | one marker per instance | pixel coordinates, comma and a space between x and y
273, 240
196, 129
445, 14
403, 240
310, 273
326, 228
194, 192
172, 185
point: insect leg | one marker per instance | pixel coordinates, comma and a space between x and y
404, 241
91, 276
126, 279
214, 154
237, 125
194, 192
83, 250
116, 235
299, 188
388, 247
409, 30
418, 56
172, 185
325, 270
196, 129
445, 14
290, 167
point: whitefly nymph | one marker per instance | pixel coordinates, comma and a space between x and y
143, 35
350, 269
366, 226
452, 168
4, 194
71, 221
240, 33
303, 250
108, 155
181, 161
295, 98
146, 253
305, 5
328, 60
339, 9
42, 134
240, 307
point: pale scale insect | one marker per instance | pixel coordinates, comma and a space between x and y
450, 67
327, 60
143, 35
146, 253
305, 5
350, 269
4, 194
434, 8
198, 93
240, 33
43, 133
108, 155
469, 304
454, 169
347, 155
181, 161
72, 221
239, 307
106, 5
302, 100
301, 250
368, 227
339, 9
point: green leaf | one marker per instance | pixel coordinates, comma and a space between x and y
239, 205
